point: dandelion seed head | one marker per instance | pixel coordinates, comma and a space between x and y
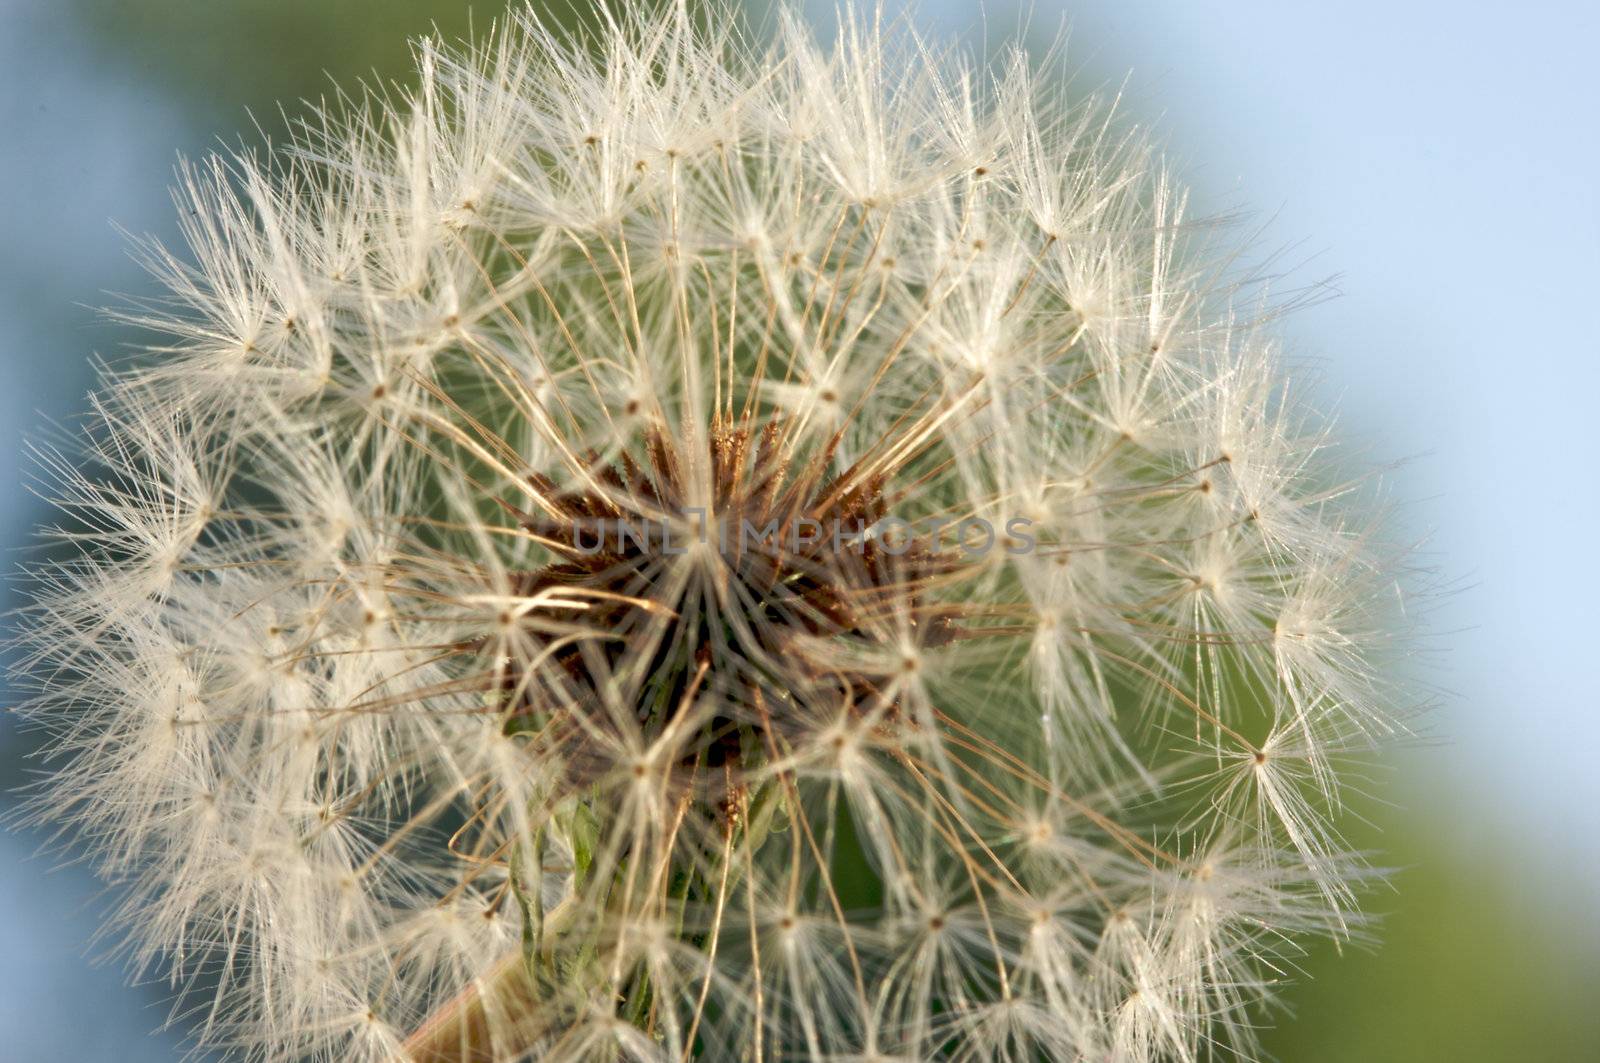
669, 544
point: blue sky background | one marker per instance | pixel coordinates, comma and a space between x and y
1441, 159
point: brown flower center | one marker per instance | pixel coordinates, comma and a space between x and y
775, 609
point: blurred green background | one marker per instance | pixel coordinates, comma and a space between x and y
1490, 944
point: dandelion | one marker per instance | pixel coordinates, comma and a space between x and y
661, 546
